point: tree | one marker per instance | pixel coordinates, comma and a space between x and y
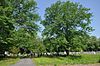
23, 39
98, 44
25, 15
6, 25
39, 47
93, 44
66, 20
14, 16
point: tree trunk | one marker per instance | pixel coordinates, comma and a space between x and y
46, 54
67, 51
57, 53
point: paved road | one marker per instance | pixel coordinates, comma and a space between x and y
24, 62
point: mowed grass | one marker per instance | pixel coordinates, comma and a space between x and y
61, 61
8, 61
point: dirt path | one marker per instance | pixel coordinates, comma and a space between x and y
24, 62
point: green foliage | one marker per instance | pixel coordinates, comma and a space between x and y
23, 39
18, 26
67, 27
98, 44
92, 44
6, 25
24, 13
66, 21
14, 49
38, 46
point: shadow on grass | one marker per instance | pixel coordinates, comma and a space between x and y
1, 59
75, 57
61, 57
8, 57
99, 60
72, 57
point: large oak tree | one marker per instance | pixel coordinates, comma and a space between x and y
67, 22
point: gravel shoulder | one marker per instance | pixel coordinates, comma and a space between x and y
24, 62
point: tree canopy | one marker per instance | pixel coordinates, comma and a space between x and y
67, 28
17, 22
6, 25
68, 21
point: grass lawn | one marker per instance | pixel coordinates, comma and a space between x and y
8, 61
61, 61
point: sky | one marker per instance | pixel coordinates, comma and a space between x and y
94, 5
